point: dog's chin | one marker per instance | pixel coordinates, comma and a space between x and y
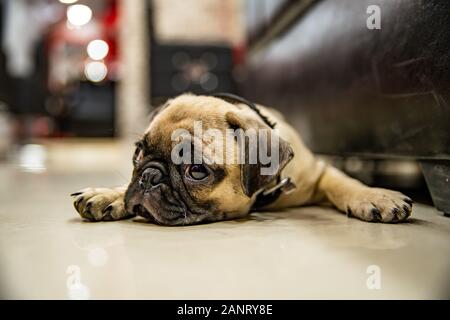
156, 210
143, 212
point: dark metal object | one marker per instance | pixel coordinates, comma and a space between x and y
277, 22
386, 92
352, 91
437, 175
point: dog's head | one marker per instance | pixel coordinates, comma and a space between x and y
182, 177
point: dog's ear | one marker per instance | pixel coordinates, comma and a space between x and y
255, 176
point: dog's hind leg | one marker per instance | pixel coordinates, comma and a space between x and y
363, 202
101, 204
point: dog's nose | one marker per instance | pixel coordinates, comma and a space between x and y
150, 177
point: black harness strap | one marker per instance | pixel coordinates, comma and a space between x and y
232, 98
263, 200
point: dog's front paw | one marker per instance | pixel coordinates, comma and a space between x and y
100, 204
380, 205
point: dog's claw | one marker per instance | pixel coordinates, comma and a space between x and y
408, 200
87, 212
107, 209
376, 214
77, 203
349, 212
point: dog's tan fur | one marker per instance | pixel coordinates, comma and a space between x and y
316, 182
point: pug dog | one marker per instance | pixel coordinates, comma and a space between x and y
167, 192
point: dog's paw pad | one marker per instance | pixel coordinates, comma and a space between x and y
380, 205
100, 204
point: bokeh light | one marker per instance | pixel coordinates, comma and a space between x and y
68, 1
95, 71
79, 14
97, 49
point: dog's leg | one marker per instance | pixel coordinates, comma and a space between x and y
101, 204
363, 202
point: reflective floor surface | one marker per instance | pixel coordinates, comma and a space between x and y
48, 252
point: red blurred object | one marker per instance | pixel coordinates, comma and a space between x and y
67, 46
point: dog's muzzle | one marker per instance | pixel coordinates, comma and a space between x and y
151, 196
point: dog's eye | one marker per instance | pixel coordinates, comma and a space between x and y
197, 172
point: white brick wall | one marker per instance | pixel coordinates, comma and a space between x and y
199, 21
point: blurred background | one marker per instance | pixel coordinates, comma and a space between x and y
77, 78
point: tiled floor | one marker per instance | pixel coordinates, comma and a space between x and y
47, 251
